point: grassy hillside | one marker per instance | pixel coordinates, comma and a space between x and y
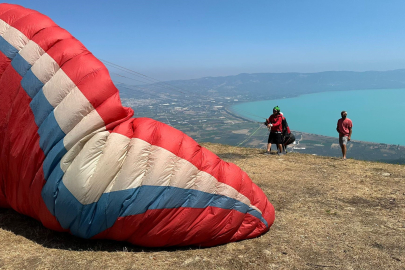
330, 214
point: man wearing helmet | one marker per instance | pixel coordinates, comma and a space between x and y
344, 128
274, 123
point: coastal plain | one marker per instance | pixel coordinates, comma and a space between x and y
210, 120
201, 108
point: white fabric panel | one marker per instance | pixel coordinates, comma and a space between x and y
78, 177
68, 158
17, 39
197, 179
201, 181
72, 109
134, 167
87, 125
44, 68
147, 164
3, 27
90, 173
58, 87
160, 165
31, 52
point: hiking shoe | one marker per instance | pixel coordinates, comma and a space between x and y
281, 154
267, 153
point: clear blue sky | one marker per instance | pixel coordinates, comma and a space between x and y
183, 39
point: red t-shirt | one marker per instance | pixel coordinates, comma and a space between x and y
343, 126
276, 121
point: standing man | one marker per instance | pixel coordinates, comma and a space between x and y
274, 123
344, 127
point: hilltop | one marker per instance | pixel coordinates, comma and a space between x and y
330, 214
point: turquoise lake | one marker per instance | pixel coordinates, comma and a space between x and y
377, 115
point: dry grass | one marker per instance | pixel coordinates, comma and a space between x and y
330, 214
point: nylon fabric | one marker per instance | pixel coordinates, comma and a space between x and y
73, 157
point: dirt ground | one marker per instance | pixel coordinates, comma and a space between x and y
330, 214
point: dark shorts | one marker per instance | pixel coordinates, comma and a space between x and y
275, 138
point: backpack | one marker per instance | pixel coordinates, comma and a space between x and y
288, 137
285, 127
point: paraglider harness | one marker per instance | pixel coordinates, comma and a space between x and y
288, 138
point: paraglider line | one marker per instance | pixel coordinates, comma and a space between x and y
152, 80
250, 136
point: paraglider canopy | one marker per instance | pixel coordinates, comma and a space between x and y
73, 158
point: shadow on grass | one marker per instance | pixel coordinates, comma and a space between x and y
33, 230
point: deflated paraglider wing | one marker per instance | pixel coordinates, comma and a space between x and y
72, 157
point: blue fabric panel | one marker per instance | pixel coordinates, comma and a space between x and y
31, 83
20, 65
41, 107
7, 49
50, 133
72, 214
88, 220
50, 190
53, 158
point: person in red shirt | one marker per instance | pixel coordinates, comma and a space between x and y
274, 123
344, 128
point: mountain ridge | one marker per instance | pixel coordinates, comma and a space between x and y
258, 86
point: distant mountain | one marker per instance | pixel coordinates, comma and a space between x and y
279, 85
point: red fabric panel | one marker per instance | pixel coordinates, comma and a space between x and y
92, 78
4, 8
9, 83
13, 14
39, 210
23, 153
32, 23
21, 156
10, 86
49, 38
63, 51
4, 63
113, 112
182, 227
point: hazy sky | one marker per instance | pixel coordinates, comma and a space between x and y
183, 39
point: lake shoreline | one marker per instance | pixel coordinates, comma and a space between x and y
230, 112
326, 106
